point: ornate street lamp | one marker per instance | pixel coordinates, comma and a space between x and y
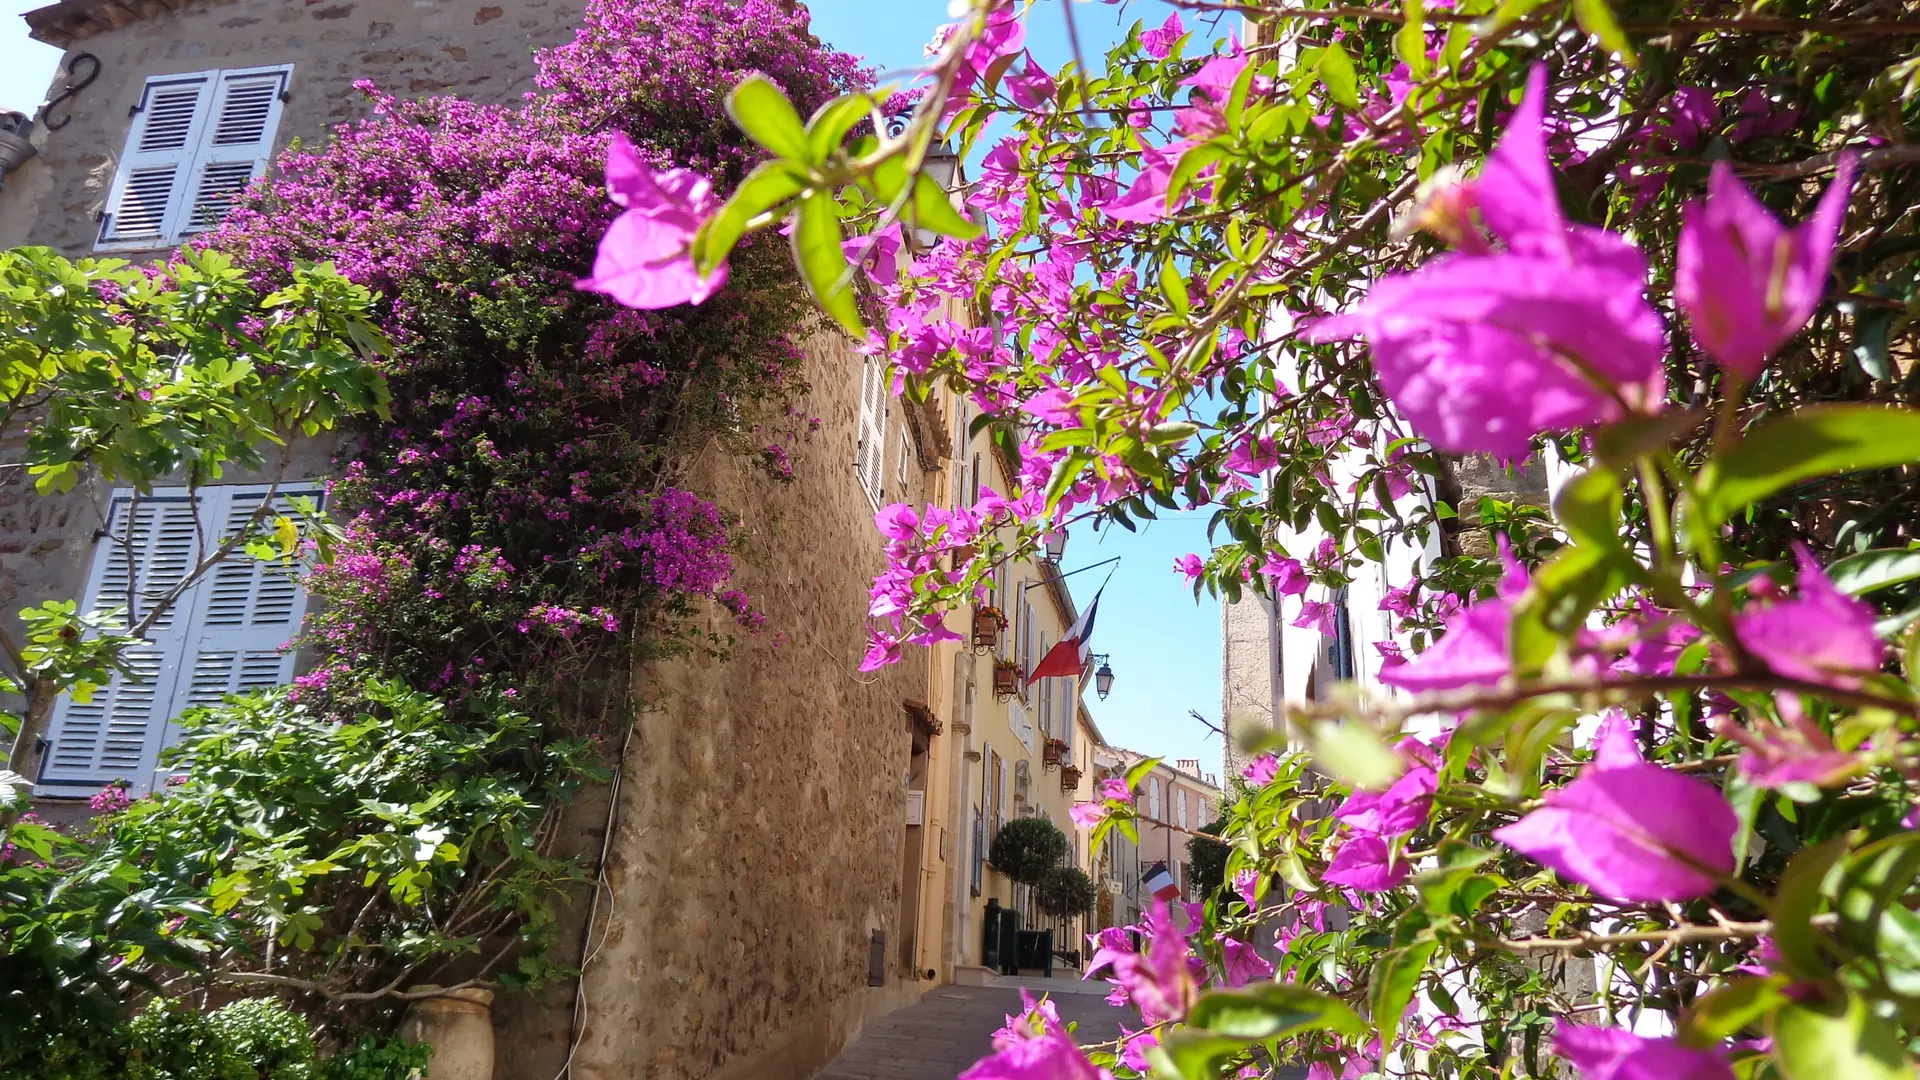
1056, 545
1103, 676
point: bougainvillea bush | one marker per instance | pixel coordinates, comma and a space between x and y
1635, 794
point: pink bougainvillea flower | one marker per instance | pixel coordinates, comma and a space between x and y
1246, 884
1242, 964
1159, 42
881, 651
1401, 808
1366, 863
1318, 615
1033, 87
1262, 769
1146, 200
1821, 635
1113, 787
1746, 282
1605, 1053
1133, 1049
1034, 1018
1288, 576
1483, 350
1048, 1056
1795, 752
1190, 565
897, 522
645, 258
1088, 814
1630, 830
878, 253
1160, 981
1474, 650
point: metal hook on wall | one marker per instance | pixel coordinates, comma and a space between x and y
74, 86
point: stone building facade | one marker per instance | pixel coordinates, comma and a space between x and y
760, 875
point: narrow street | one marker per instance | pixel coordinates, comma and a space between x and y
952, 1027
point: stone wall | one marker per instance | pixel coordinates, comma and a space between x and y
1246, 684
759, 823
479, 49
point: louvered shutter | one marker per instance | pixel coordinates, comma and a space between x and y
244, 612
870, 456
117, 734
236, 145
147, 192
222, 636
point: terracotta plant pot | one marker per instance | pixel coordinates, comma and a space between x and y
459, 1027
1006, 679
1069, 779
987, 624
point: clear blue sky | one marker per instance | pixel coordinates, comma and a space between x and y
1165, 648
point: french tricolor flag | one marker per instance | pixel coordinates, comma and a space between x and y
1161, 884
1069, 657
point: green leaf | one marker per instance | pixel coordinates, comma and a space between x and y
933, 209
816, 249
1870, 571
1842, 1041
1590, 509
1821, 440
1193, 1055
1139, 772
1795, 903
1338, 75
1173, 285
766, 187
828, 126
1596, 18
1395, 977
1355, 754
1731, 1009
764, 113
1272, 1010
1410, 43
1064, 473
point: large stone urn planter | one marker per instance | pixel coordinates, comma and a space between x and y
459, 1027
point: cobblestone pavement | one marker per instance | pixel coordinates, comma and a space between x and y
951, 1027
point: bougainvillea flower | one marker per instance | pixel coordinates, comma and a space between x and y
1797, 751
1113, 787
1820, 635
1033, 87
1401, 808
1051, 1055
881, 651
1318, 615
1242, 964
1474, 650
1607, 1053
1159, 42
1190, 565
1746, 282
1630, 830
1483, 350
1262, 769
645, 258
1288, 576
1246, 884
1366, 863
1088, 814
1146, 200
878, 253
1161, 980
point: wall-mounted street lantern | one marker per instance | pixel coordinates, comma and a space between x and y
15, 145
1102, 676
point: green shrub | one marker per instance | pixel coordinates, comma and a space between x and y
1064, 891
378, 1058
1026, 848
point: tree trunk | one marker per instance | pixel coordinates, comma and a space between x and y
28, 745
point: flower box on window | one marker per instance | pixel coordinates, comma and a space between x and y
1006, 678
987, 624
1069, 779
1053, 753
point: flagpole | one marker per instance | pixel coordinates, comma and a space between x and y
1082, 570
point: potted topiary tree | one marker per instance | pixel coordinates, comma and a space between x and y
1026, 848
1065, 891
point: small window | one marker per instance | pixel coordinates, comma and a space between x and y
197, 141
870, 455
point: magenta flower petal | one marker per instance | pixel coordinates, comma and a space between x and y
1401, 808
1633, 832
1159, 43
1473, 652
1820, 635
1746, 282
1365, 863
1608, 1053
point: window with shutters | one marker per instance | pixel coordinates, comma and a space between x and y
1180, 806
222, 636
1153, 798
870, 455
197, 141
